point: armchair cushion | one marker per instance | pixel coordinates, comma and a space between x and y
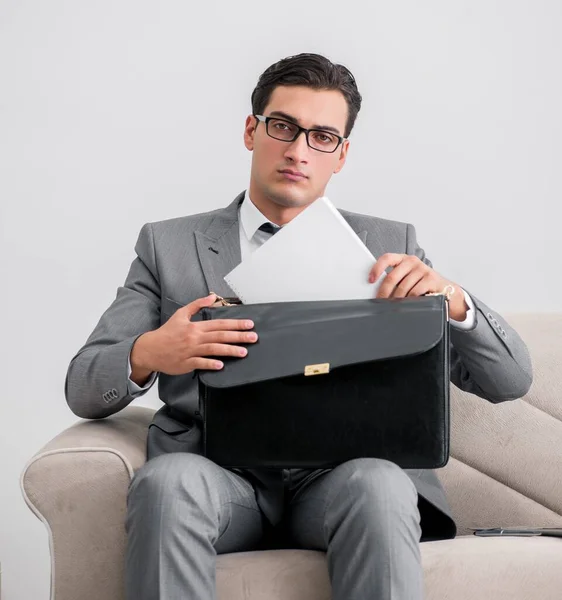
463, 569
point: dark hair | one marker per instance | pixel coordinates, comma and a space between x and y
313, 71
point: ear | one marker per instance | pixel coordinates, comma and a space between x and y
343, 156
249, 132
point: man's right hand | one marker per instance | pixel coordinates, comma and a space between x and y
180, 346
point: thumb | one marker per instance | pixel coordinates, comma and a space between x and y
195, 306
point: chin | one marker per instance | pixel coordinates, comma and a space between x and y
290, 197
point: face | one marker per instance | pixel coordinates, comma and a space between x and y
278, 196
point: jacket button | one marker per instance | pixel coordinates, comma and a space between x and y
110, 395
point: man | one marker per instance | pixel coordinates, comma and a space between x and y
367, 514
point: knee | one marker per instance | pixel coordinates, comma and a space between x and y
170, 474
373, 482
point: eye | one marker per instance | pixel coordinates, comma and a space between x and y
282, 125
324, 138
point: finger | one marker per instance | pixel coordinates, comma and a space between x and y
228, 337
194, 307
225, 324
423, 287
411, 280
384, 261
208, 364
394, 278
221, 350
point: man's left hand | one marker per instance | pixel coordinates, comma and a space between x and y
410, 277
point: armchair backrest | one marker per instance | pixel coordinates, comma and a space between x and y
506, 459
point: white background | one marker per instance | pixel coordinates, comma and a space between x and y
113, 114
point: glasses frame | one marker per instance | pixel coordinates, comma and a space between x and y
266, 120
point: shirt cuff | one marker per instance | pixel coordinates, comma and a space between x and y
470, 318
134, 389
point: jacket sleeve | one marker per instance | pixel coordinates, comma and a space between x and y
490, 360
97, 378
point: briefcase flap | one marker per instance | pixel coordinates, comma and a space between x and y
317, 337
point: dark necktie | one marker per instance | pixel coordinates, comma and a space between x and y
269, 228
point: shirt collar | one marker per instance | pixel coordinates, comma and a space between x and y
251, 216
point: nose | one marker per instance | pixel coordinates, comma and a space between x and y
298, 150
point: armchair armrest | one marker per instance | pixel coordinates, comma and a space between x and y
77, 485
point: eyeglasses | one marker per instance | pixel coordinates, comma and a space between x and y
286, 131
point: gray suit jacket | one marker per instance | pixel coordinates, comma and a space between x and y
179, 260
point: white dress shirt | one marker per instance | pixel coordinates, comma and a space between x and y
249, 221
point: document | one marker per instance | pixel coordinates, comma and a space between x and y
316, 256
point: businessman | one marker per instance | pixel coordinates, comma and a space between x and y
367, 514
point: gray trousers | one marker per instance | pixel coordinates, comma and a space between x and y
183, 510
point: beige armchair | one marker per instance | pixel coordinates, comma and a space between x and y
505, 470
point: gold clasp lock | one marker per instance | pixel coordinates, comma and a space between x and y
319, 369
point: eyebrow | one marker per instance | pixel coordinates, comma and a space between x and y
283, 115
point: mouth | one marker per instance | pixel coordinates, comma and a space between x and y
293, 175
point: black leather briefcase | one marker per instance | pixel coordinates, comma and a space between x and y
331, 381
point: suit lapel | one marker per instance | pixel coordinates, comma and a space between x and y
218, 248
362, 235
376, 238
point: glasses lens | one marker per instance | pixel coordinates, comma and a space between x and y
323, 140
281, 130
